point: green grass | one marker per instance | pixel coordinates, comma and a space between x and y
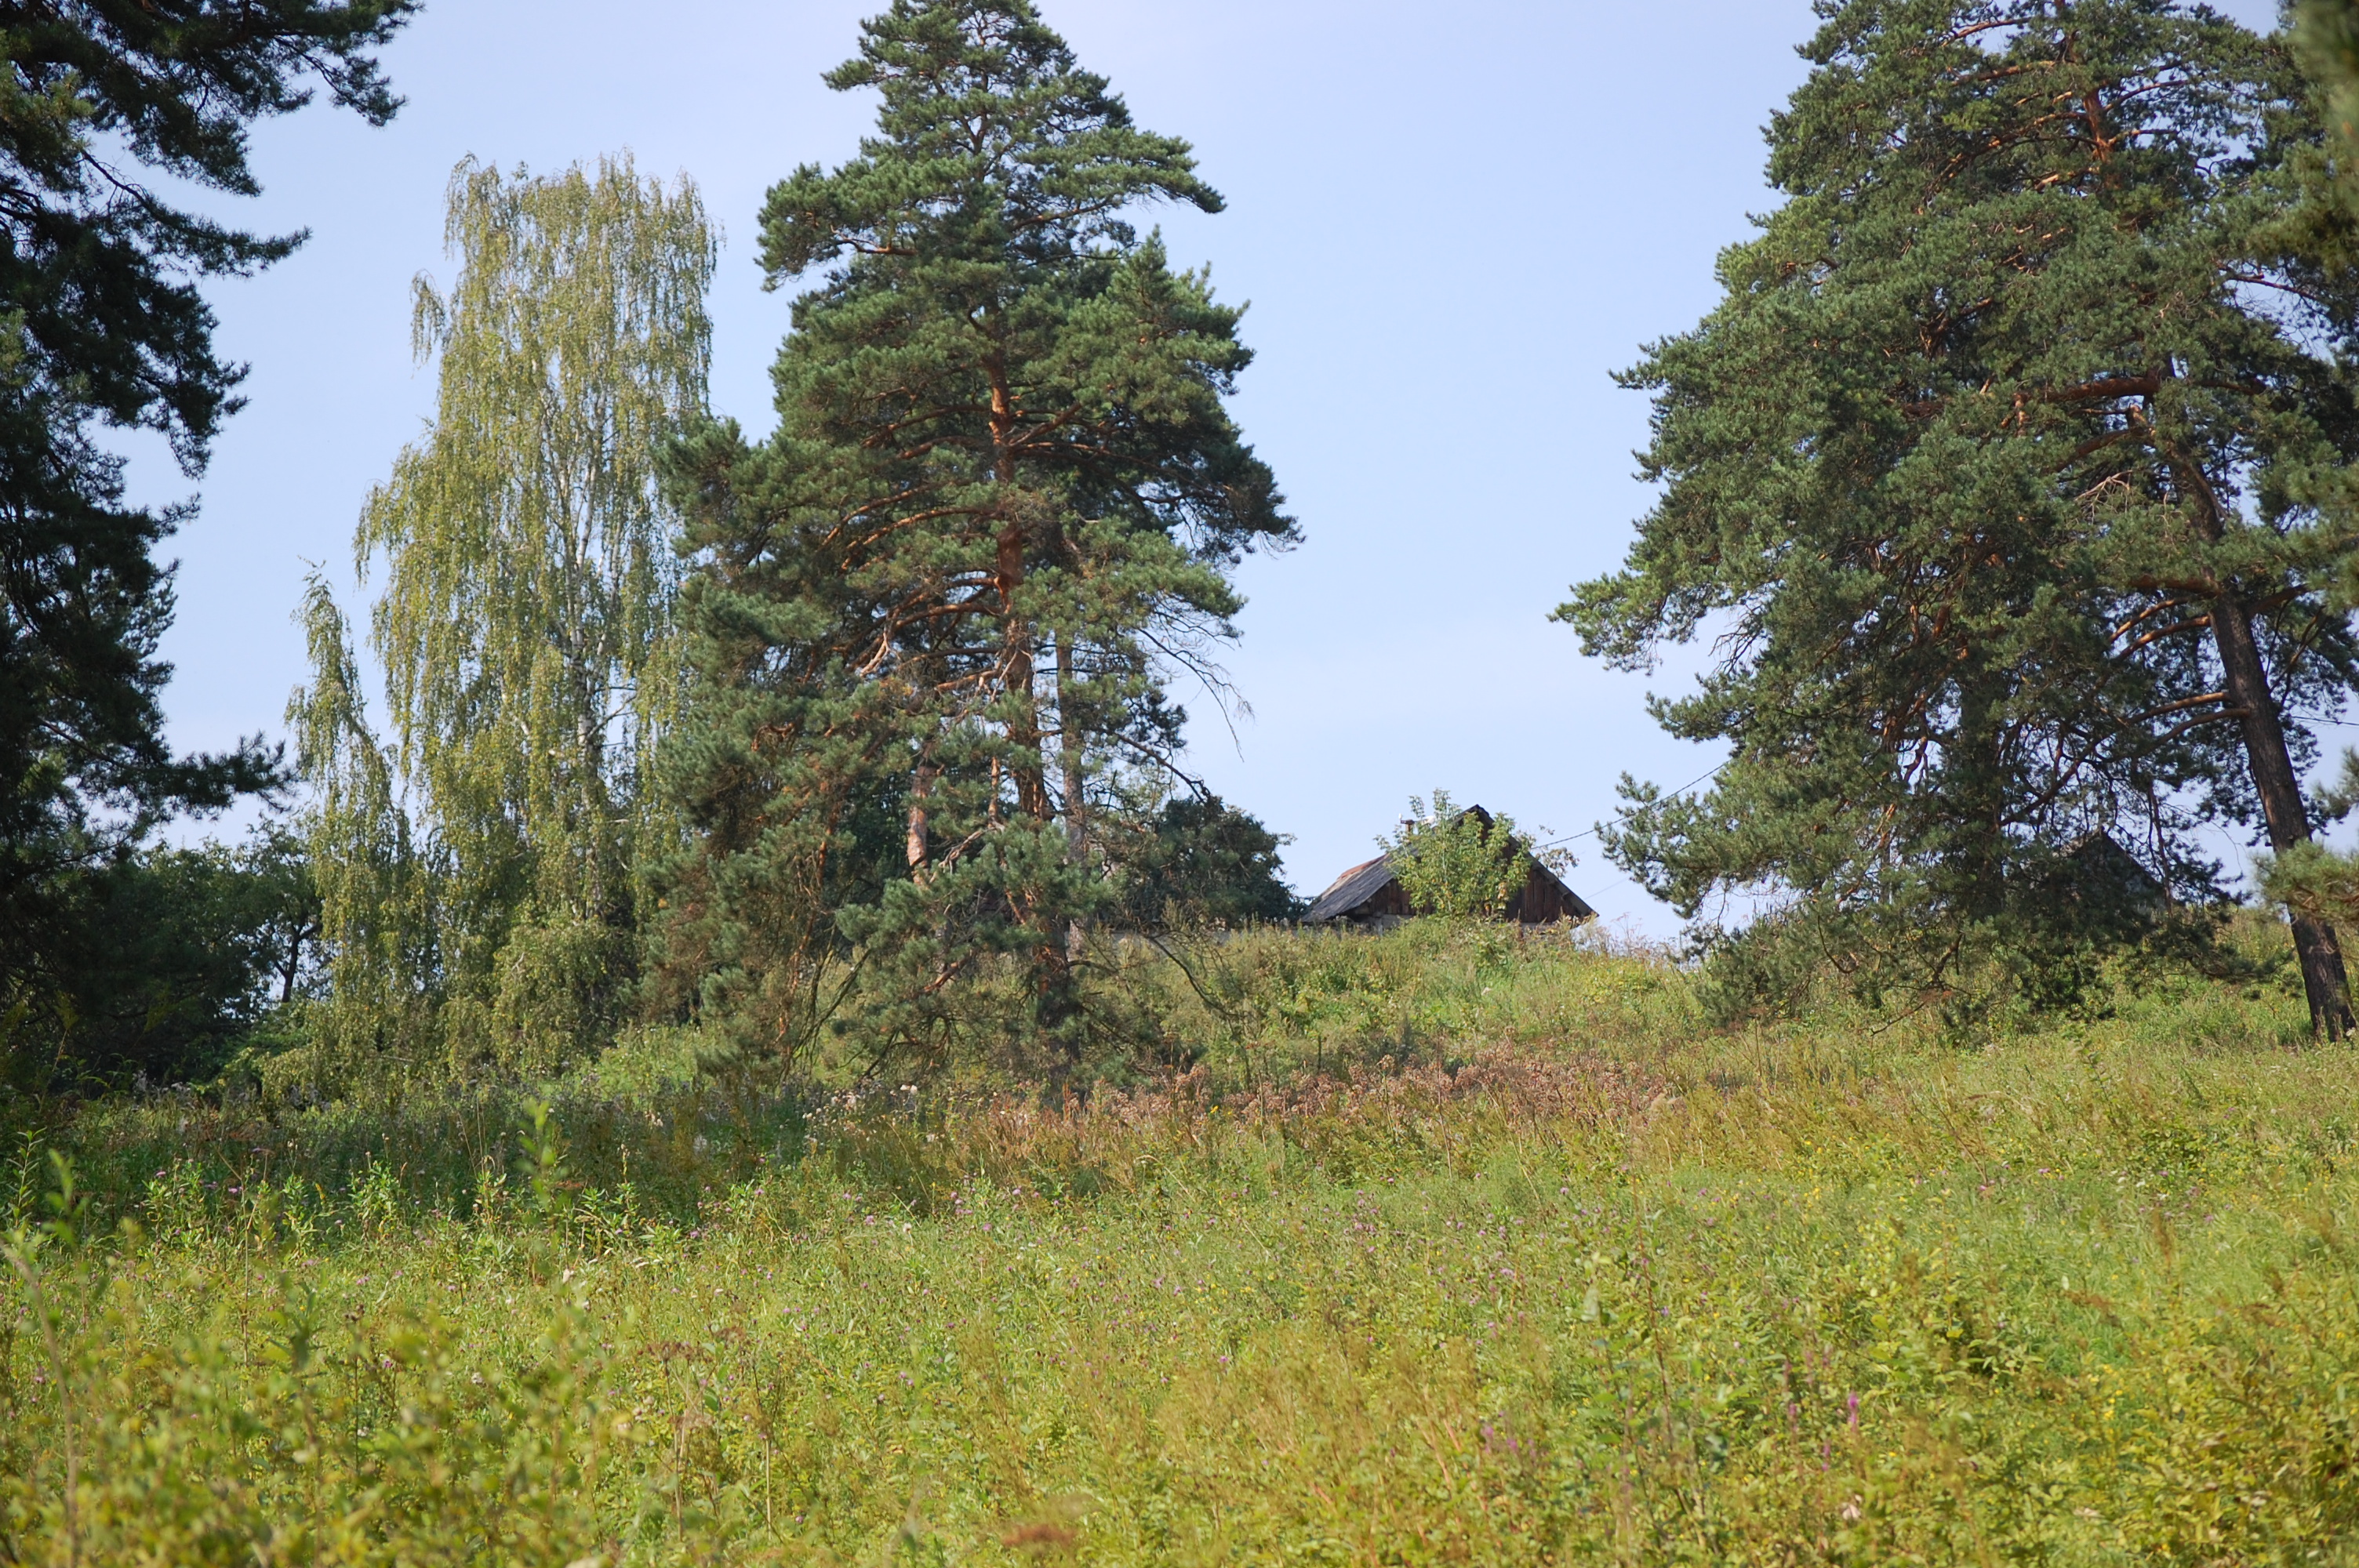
1435, 1251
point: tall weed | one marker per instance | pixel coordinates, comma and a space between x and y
1421, 1251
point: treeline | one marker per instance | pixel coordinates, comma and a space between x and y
865, 725
2011, 481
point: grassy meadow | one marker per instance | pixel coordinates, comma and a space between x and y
1418, 1249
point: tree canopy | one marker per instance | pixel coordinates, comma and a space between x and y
1199, 861
999, 509
2010, 478
526, 625
1459, 863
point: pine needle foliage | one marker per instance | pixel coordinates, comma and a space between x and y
526, 621
2326, 32
2011, 476
935, 612
110, 114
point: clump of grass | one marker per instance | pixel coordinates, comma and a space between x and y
1422, 1250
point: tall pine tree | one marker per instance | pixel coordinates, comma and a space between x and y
102, 325
2010, 475
1001, 501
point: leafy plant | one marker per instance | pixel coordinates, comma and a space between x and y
1461, 863
528, 636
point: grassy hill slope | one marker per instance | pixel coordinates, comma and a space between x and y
1440, 1251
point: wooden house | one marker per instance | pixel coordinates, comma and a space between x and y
2098, 860
1370, 895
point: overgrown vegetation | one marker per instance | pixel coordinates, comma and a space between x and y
1445, 1249
1460, 864
861, 738
771, 1059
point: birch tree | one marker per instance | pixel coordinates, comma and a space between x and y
525, 624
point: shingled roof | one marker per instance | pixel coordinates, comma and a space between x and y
1355, 887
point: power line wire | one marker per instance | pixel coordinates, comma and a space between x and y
1625, 816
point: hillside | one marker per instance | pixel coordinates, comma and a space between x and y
1444, 1250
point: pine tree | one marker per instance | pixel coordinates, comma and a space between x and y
1001, 501
102, 325
2310, 878
526, 623
2010, 475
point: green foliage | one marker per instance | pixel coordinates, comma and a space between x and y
1002, 500
172, 958
526, 627
187, 951
1458, 864
1820, 1293
103, 326
2011, 477
2315, 879
380, 918
1198, 861
2311, 878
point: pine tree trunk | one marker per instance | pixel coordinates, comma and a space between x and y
1070, 749
1052, 969
919, 845
1979, 774
2247, 684
1018, 676
2323, 975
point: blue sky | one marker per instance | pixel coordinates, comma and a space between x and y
1453, 222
